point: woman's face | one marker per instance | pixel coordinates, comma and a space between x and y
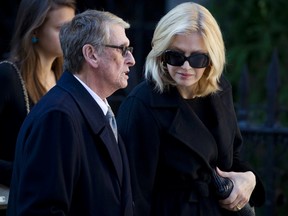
185, 75
48, 45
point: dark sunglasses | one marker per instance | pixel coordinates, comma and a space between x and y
124, 49
196, 60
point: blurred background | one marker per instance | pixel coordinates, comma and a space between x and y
256, 37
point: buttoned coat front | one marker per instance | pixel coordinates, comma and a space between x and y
67, 160
171, 152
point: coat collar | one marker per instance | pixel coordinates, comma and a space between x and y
86, 103
94, 116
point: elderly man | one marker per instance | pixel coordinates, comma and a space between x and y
69, 159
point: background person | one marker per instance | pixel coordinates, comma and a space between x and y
34, 65
68, 161
180, 123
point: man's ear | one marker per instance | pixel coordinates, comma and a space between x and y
90, 55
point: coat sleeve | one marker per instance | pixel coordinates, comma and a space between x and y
239, 165
140, 133
46, 167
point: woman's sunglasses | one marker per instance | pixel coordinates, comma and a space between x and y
196, 60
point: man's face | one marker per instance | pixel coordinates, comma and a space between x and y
114, 66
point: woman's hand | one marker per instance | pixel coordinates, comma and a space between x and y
244, 184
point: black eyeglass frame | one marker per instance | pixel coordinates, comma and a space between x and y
124, 49
167, 60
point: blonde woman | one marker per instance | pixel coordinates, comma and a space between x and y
179, 124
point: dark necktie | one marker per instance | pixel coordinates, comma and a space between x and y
112, 121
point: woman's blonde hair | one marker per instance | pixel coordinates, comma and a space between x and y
31, 15
187, 18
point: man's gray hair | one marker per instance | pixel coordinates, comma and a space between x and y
89, 27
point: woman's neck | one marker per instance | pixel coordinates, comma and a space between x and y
46, 74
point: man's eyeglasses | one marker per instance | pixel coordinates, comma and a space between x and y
196, 60
124, 49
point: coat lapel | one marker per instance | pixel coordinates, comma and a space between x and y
186, 126
190, 130
94, 117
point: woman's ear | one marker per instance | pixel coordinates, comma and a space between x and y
90, 54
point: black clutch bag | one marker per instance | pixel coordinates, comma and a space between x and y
223, 187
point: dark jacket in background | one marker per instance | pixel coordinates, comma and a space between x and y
12, 114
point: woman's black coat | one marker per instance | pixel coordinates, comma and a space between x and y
171, 151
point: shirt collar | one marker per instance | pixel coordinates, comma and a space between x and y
102, 103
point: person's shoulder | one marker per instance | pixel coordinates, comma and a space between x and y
56, 100
7, 69
143, 90
224, 82
225, 94
9, 74
225, 85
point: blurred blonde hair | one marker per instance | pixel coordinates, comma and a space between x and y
187, 18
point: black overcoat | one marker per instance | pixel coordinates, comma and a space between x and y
67, 161
171, 152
